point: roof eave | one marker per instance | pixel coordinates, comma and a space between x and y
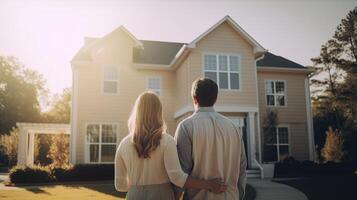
258, 49
307, 70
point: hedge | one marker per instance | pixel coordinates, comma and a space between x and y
82, 172
36, 174
293, 168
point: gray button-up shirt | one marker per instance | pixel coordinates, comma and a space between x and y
210, 146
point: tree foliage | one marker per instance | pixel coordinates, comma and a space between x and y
8, 146
60, 109
335, 85
19, 91
59, 151
333, 148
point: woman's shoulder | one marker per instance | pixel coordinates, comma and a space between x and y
167, 138
125, 141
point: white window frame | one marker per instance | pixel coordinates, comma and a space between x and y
275, 94
157, 91
239, 72
278, 144
99, 143
110, 80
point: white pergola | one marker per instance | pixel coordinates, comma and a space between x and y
27, 131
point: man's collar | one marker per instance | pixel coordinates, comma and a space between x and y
205, 109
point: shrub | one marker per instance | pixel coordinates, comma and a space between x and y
59, 151
333, 148
8, 146
85, 172
35, 174
42, 174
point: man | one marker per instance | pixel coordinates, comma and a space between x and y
210, 146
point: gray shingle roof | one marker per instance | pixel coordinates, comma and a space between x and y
271, 60
156, 52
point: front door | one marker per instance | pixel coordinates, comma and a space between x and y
241, 123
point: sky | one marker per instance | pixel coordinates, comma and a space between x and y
45, 35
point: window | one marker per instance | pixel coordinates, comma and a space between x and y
101, 142
154, 84
110, 81
223, 69
277, 145
275, 93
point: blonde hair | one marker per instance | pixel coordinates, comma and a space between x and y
146, 124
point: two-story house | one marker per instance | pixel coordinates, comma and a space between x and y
110, 72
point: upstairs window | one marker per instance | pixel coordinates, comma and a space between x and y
110, 80
224, 69
154, 85
275, 93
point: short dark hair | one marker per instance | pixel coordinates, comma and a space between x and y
205, 91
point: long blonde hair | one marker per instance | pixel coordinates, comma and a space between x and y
146, 124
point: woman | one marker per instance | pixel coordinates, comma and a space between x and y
146, 160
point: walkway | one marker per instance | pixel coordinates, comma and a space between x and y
267, 190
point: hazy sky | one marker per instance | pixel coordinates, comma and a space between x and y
45, 35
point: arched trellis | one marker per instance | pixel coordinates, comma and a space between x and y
27, 131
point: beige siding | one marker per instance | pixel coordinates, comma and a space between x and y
94, 106
293, 115
183, 86
224, 39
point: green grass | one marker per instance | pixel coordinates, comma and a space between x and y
93, 191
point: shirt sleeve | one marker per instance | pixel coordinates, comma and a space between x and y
120, 179
184, 148
172, 165
242, 181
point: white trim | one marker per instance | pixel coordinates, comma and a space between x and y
228, 109
138, 43
285, 93
87, 153
117, 81
159, 90
285, 69
257, 47
74, 116
258, 113
239, 72
251, 139
310, 124
178, 54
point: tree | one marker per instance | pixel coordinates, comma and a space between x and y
269, 130
19, 90
333, 148
8, 146
335, 85
60, 109
59, 150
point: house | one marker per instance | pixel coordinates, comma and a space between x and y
110, 72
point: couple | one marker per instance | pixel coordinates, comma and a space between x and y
206, 160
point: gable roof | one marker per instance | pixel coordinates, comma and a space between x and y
156, 52
272, 60
258, 49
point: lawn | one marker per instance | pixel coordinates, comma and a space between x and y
102, 191
95, 191
326, 188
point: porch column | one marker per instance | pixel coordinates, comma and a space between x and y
251, 145
30, 154
21, 146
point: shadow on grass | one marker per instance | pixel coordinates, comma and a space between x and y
326, 188
37, 190
106, 188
